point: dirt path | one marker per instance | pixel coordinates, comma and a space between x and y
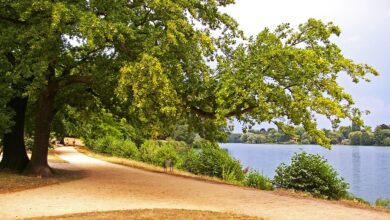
114, 187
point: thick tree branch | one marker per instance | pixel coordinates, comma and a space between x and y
241, 111
212, 115
76, 79
202, 113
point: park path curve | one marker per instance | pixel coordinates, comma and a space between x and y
109, 186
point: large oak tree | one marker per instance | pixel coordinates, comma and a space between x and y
156, 62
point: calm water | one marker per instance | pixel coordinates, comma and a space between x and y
366, 169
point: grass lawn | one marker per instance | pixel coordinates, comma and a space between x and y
166, 214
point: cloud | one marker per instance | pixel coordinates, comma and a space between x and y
379, 110
354, 39
388, 16
374, 105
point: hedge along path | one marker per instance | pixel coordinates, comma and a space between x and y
114, 187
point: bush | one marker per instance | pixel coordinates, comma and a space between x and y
113, 146
167, 152
181, 147
148, 151
201, 143
101, 144
386, 142
156, 152
311, 173
256, 180
383, 202
211, 160
126, 149
191, 161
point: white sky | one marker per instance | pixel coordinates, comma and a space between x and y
365, 38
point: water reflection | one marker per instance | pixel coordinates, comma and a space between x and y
356, 168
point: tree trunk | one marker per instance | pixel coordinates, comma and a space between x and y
14, 152
38, 165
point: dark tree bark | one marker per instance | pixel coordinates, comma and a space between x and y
38, 165
14, 151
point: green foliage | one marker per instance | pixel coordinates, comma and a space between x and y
28, 142
254, 179
234, 138
209, 159
386, 142
355, 137
251, 138
183, 133
181, 147
166, 152
292, 65
147, 64
100, 145
201, 143
382, 202
368, 138
126, 149
75, 122
311, 173
381, 135
344, 135
148, 151
156, 152
113, 146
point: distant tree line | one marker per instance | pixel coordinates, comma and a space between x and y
345, 135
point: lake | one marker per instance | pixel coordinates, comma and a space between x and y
365, 168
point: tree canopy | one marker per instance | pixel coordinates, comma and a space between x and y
155, 63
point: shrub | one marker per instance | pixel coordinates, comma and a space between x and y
383, 202
181, 147
113, 146
148, 150
191, 161
101, 145
311, 173
201, 143
211, 160
386, 142
166, 152
256, 180
126, 149
156, 152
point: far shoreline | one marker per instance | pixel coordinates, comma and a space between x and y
341, 145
